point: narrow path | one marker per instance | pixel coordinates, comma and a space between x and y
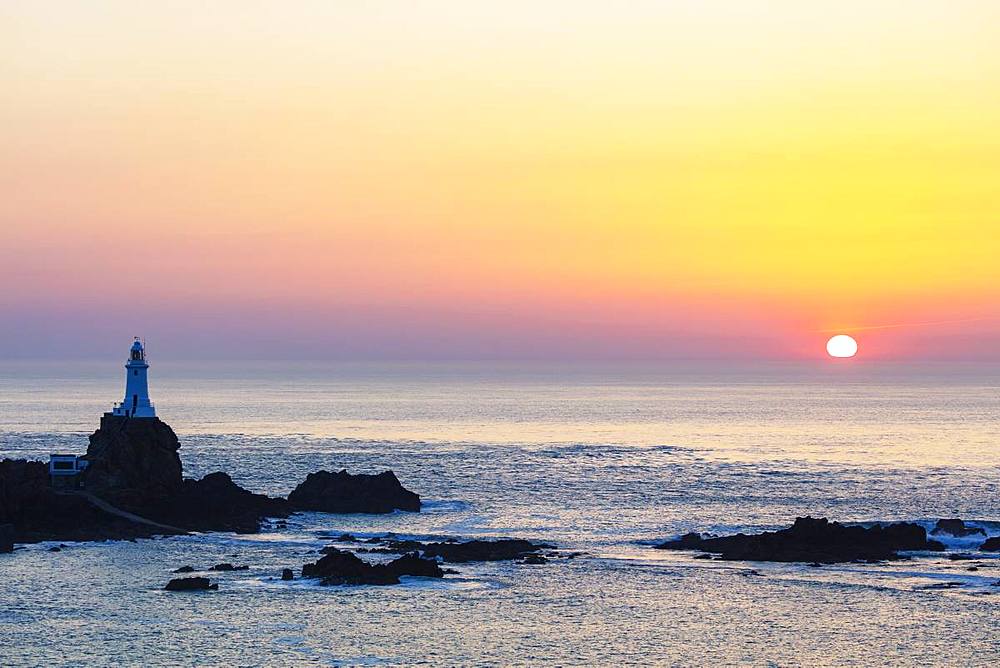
118, 512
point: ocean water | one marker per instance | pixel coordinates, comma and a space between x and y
604, 460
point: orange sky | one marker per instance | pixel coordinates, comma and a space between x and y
446, 179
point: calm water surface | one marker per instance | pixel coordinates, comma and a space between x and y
606, 460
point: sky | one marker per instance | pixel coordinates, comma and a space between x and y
500, 180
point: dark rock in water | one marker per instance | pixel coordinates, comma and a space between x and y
228, 567
55, 549
955, 527
287, 574
6, 538
347, 538
190, 584
813, 540
216, 503
39, 513
340, 567
535, 559
503, 549
482, 550
134, 464
184, 569
133, 461
343, 492
991, 545
960, 557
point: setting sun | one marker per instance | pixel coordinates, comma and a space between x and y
842, 345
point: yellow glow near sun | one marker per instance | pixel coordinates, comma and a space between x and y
842, 345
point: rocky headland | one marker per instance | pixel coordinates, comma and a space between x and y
134, 487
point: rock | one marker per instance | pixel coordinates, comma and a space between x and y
814, 540
286, 574
343, 492
955, 527
6, 538
503, 549
39, 513
482, 550
216, 503
991, 545
133, 462
134, 466
184, 569
228, 567
190, 584
341, 567
55, 549
535, 559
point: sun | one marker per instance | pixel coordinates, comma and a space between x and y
842, 345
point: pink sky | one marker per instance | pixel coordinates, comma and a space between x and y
465, 180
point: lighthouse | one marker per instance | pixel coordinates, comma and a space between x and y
136, 402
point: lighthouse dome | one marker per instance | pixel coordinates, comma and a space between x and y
137, 344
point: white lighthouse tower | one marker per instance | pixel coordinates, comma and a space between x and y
136, 402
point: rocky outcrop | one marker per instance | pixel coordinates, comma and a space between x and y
133, 462
37, 512
229, 567
343, 492
814, 541
991, 545
134, 487
6, 538
216, 503
956, 528
190, 584
503, 549
338, 567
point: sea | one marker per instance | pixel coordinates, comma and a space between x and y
605, 460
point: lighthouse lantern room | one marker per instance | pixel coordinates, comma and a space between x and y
136, 402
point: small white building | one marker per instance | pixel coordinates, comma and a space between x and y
136, 402
64, 470
66, 465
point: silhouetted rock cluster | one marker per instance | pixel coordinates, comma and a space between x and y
190, 584
135, 474
216, 503
338, 567
991, 545
955, 527
37, 512
814, 540
451, 551
343, 492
